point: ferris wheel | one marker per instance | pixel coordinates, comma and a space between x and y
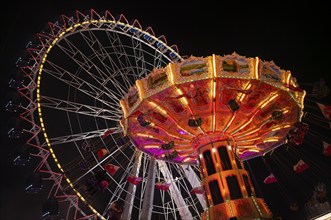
72, 80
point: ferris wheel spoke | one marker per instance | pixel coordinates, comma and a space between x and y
88, 65
97, 165
83, 61
175, 193
123, 65
120, 50
194, 181
115, 83
81, 136
158, 60
69, 106
83, 86
102, 53
139, 59
105, 55
99, 52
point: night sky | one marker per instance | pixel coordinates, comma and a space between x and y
294, 35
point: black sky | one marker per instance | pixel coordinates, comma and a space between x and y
294, 35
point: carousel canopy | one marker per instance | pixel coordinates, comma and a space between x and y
250, 102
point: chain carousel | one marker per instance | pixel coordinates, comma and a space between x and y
215, 112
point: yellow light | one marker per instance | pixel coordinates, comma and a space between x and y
246, 140
244, 125
229, 123
271, 140
152, 146
140, 89
243, 95
288, 78
159, 108
171, 75
280, 127
186, 159
124, 109
214, 66
214, 117
256, 70
267, 101
252, 131
214, 89
143, 135
183, 99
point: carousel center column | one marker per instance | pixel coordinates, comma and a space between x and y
229, 191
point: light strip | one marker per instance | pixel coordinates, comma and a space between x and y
159, 108
257, 61
214, 117
182, 99
244, 125
214, 66
140, 89
254, 130
213, 85
143, 135
267, 101
186, 159
171, 75
243, 95
151, 147
280, 127
288, 78
247, 140
123, 106
271, 140
229, 123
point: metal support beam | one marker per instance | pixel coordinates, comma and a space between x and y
149, 191
128, 205
195, 182
175, 193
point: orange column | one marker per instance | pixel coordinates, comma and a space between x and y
229, 191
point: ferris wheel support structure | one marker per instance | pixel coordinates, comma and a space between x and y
147, 207
127, 210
